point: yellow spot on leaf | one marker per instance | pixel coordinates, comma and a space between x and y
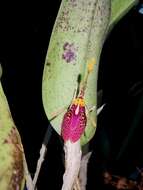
91, 64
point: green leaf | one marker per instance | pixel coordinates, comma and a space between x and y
11, 151
118, 9
78, 36
79, 32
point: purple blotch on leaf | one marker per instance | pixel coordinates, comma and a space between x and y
69, 54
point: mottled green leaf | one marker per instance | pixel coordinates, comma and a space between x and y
77, 38
11, 151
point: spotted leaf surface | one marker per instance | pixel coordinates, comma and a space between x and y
11, 151
78, 36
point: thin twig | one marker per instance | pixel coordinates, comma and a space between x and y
29, 182
39, 164
43, 151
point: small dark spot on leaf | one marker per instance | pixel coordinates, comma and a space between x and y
48, 64
5, 141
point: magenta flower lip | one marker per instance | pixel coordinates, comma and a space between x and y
73, 124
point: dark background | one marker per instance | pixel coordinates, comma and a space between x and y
118, 144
